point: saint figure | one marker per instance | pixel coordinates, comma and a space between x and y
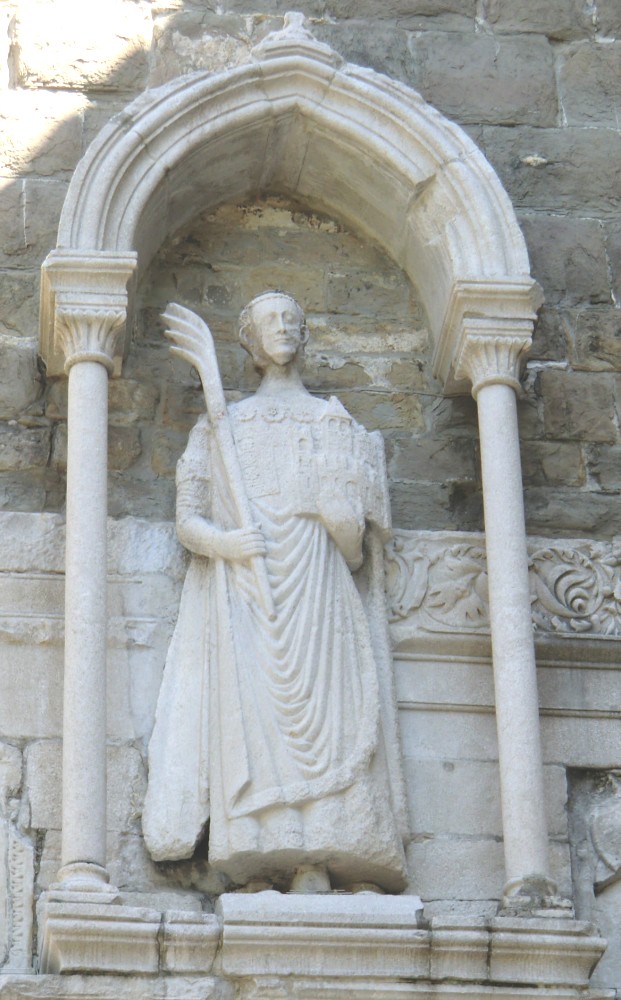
275, 734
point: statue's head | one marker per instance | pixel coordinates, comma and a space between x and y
272, 328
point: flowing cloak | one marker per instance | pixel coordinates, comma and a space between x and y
282, 733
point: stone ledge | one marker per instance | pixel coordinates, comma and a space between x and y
339, 937
115, 939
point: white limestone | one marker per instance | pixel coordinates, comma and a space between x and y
274, 646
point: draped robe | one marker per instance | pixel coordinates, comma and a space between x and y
282, 733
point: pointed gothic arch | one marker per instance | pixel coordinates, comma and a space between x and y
297, 120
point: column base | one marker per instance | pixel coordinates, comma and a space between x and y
86, 879
534, 896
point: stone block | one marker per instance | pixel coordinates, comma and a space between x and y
568, 258
604, 465
552, 463
123, 447
457, 867
431, 458
590, 84
478, 78
546, 168
166, 450
19, 379
132, 401
556, 511
197, 40
597, 340
613, 246
43, 201
608, 18
41, 132
383, 410
355, 293
19, 303
562, 20
435, 506
23, 447
128, 495
578, 406
12, 242
549, 336
10, 773
384, 49
106, 49
448, 735
126, 785
462, 797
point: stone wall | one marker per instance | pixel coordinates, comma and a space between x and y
537, 89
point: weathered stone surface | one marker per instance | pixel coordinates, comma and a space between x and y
578, 406
613, 245
166, 451
197, 40
546, 168
43, 201
41, 132
131, 401
384, 49
12, 241
23, 447
552, 463
123, 447
549, 336
399, 9
590, 85
559, 512
106, 48
463, 797
597, 345
568, 258
558, 19
363, 293
478, 78
604, 465
19, 381
608, 18
431, 458
126, 783
436, 506
19, 303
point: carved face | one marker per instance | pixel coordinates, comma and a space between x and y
277, 329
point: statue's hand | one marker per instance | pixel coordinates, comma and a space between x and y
238, 545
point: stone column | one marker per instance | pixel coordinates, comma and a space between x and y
489, 356
83, 311
88, 339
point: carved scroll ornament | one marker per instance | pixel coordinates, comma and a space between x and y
440, 584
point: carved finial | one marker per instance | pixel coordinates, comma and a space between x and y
295, 24
294, 38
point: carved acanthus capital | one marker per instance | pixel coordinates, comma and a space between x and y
84, 304
94, 334
490, 355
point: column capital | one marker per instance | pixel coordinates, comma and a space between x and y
84, 300
491, 352
486, 331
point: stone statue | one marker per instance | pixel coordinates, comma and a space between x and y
276, 718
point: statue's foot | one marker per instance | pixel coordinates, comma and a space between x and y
366, 887
255, 885
309, 878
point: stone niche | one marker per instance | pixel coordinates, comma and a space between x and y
293, 123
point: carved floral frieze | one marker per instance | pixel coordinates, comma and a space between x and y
437, 582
